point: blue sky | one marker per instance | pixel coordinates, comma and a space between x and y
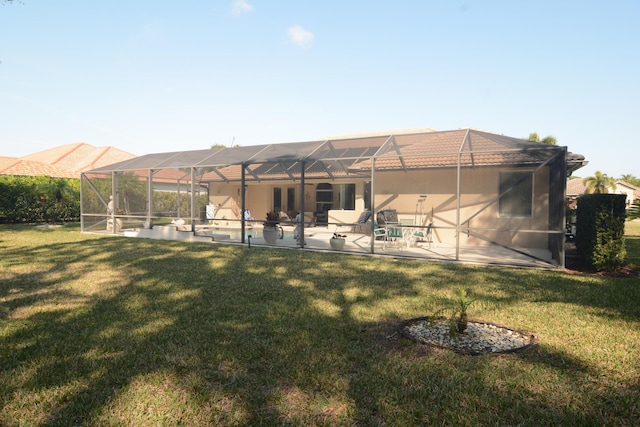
154, 75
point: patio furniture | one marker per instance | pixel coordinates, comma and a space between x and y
387, 216
395, 236
363, 224
380, 234
422, 235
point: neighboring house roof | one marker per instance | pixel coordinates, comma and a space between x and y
80, 157
65, 161
623, 187
621, 183
575, 187
16, 166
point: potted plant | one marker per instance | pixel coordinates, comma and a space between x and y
337, 241
270, 229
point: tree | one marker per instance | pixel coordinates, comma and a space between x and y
549, 139
630, 179
60, 190
599, 183
132, 188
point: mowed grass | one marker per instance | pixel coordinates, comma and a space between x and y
101, 331
632, 243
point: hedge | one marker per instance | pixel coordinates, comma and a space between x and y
38, 199
600, 230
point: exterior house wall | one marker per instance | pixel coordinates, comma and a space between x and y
401, 191
624, 188
226, 199
478, 204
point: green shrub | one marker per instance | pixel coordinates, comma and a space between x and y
600, 230
33, 199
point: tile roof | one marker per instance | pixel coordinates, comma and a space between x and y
80, 157
575, 187
65, 161
16, 166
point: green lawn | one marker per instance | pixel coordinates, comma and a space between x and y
632, 243
116, 331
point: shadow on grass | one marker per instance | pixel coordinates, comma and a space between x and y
124, 331
538, 386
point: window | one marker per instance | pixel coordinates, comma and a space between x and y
277, 200
367, 195
324, 197
346, 196
336, 196
516, 188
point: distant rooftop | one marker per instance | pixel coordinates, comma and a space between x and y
65, 161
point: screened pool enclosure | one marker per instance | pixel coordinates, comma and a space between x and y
462, 195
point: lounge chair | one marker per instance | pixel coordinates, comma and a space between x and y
363, 224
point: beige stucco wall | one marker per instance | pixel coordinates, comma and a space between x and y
401, 191
226, 199
478, 204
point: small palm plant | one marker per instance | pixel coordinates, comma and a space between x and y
457, 308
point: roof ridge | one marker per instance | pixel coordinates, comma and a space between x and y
10, 165
634, 187
403, 131
77, 146
92, 163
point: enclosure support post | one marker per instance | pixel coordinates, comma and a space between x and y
373, 205
301, 235
114, 194
82, 179
193, 199
243, 205
458, 228
149, 198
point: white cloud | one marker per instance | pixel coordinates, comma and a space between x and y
299, 36
238, 7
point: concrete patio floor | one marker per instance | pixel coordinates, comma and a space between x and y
317, 239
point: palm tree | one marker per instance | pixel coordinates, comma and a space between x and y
549, 139
630, 179
599, 183
131, 188
60, 190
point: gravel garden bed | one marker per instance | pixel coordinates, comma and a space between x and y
479, 337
